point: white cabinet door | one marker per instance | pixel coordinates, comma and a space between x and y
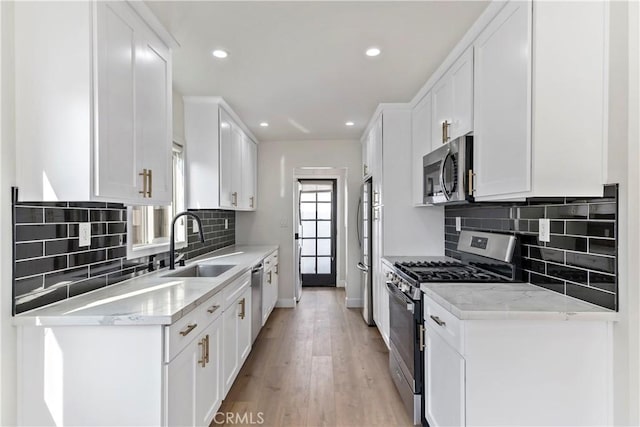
134, 109
115, 170
502, 127
249, 173
182, 373
453, 101
244, 331
421, 145
231, 336
237, 141
442, 111
209, 375
153, 118
376, 161
462, 85
267, 294
236, 321
226, 156
444, 382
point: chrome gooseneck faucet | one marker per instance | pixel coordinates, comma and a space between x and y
172, 242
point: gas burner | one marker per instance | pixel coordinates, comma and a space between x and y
445, 271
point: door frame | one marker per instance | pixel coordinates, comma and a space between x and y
339, 174
334, 228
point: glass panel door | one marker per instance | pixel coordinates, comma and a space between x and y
318, 242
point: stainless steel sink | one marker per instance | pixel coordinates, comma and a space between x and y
202, 270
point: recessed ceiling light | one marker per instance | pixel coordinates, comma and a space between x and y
264, 124
349, 124
373, 51
219, 53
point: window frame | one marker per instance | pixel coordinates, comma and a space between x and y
156, 248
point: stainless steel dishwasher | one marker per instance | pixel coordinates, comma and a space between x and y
256, 300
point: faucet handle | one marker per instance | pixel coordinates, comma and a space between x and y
180, 260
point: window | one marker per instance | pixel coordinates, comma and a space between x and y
149, 227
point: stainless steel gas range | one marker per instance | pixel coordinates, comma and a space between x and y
485, 258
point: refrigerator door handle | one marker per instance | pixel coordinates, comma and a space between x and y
362, 267
359, 221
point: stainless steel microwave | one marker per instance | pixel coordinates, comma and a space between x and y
446, 172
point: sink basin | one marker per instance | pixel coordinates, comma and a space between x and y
202, 270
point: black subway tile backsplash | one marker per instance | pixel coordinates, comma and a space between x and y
66, 215
39, 266
28, 250
568, 211
591, 228
592, 295
581, 258
26, 233
603, 247
26, 215
569, 243
51, 266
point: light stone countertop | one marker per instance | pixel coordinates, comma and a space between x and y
506, 301
150, 299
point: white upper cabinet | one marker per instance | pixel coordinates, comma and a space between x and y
222, 157
93, 119
420, 145
502, 138
452, 108
541, 101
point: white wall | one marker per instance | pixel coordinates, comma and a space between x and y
273, 222
7, 179
632, 291
178, 118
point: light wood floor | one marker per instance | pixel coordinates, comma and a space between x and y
317, 365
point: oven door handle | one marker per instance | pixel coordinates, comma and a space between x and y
400, 297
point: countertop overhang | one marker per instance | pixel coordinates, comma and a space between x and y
150, 299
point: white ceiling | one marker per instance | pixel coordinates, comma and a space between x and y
300, 65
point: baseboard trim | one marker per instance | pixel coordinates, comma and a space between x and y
353, 302
342, 284
286, 303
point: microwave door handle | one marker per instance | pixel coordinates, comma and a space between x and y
444, 189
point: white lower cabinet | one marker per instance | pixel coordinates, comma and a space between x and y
444, 372
194, 380
269, 286
136, 375
543, 372
236, 321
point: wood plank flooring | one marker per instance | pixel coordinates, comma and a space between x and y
316, 365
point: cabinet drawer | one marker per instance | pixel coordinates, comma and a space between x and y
181, 333
445, 324
232, 291
271, 260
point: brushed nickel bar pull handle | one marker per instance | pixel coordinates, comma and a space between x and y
438, 321
190, 327
277, 265
202, 361
242, 304
471, 174
269, 279
212, 309
144, 183
234, 198
251, 198
421, 337
206, 351
444, 132
150, 176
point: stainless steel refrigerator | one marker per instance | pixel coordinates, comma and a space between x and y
364, 239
